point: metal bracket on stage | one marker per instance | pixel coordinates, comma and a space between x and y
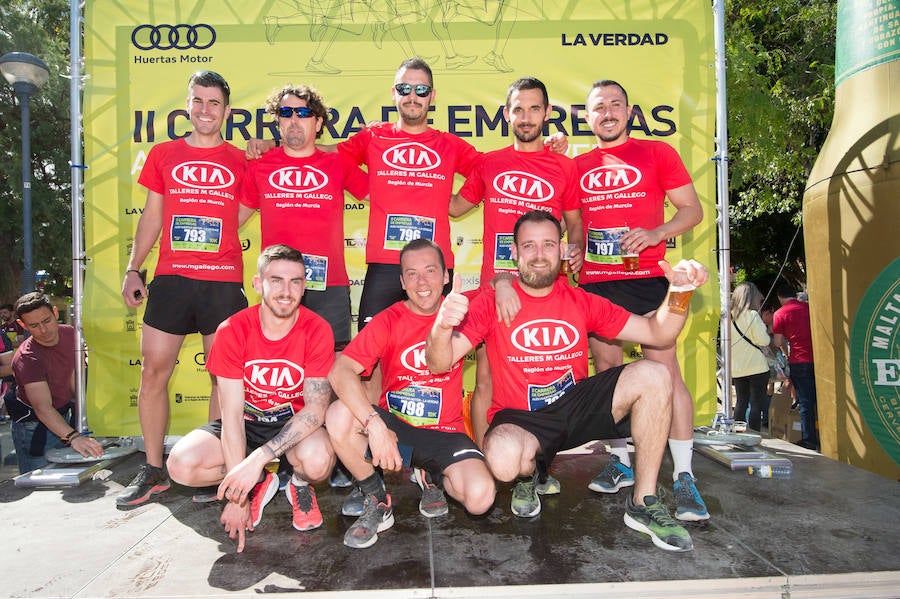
59, 478
707, 435
78, 469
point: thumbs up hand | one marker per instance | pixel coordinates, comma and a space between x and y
454, 307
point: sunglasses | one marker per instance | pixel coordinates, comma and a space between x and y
302, 112
404, 89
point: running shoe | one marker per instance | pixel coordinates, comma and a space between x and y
653, 519
261, 494
149, 481
377, 517
206, 494
353, 502
688, 503
549, 486
525, 501
340, 478
304, 506
433, 503
615, 476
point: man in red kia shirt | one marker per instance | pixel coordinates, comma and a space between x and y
192, 209
299, 192
625, 184
510, 182
419, 410
272, 362
411, 168
543, 400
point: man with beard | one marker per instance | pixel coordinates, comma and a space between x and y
411, 168
272, 362
416, 408
633, 222
299, 192
512, 181
543, 400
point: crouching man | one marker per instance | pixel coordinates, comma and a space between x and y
543, 400
272, 362
418, 412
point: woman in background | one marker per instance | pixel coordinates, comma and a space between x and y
749, 367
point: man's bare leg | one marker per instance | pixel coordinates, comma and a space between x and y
159, 352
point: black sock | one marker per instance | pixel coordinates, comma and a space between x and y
373, 485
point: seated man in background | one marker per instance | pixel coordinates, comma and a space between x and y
44, 367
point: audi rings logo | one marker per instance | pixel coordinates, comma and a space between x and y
173, 37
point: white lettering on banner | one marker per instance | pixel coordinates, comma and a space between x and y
888, 372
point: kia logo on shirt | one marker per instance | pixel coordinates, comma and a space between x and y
413, 358
519, 185
610, 178
200, 174
545, 336
272, 376
411, 156
298, 179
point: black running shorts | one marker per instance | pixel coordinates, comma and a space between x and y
583, 414
638, 296
181, 306
432, 450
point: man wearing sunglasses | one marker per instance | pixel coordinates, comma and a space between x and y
192, 209
411, 168
299, 192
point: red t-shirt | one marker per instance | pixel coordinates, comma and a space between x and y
512, 183
410, 184
792, 321
199, 238
544, 352
395, 338
625, 186
55, 365
301, 204
273, 371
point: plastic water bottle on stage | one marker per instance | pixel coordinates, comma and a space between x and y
766, 471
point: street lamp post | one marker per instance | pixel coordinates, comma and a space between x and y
26, 73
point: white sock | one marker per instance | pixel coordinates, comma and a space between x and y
297, 481
682, 455
619, 448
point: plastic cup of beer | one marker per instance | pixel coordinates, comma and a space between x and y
565, 251
631, 262
680, 297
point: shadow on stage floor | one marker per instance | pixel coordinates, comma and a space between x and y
831, 530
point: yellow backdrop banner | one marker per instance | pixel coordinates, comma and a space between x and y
140, 54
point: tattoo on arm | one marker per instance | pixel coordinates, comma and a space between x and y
316, 396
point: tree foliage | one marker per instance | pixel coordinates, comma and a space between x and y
780, 87
41, 28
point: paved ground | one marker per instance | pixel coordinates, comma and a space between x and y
831, 531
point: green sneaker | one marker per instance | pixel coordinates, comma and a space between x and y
525, 502
653, 519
